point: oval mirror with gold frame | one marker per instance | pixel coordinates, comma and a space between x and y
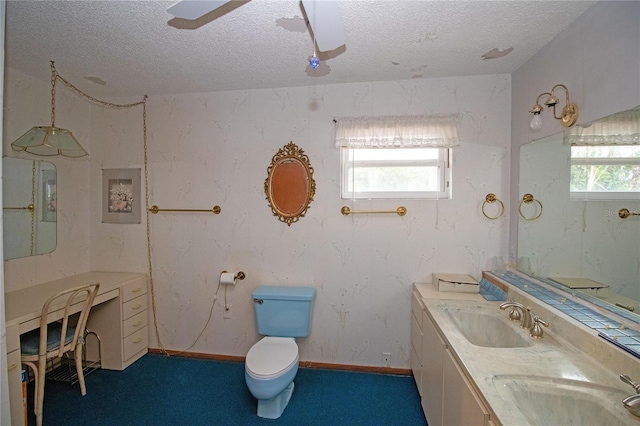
290, 186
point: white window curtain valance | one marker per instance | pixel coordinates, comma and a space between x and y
622, 128
421, 131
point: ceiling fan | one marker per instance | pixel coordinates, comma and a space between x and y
323, 15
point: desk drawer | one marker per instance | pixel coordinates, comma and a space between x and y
134, 289
135, 343
134, 306
13, 338
134, 323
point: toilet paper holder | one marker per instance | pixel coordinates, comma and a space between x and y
224, 275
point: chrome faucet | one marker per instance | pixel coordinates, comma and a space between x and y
632, 403
536, 331
525, 313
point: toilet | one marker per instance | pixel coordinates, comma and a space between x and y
282, 314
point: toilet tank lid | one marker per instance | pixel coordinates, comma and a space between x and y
284, 293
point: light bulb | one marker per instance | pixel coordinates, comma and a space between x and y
314, 62
536, 122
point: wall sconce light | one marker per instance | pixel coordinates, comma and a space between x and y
568, 115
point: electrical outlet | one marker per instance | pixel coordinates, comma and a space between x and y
386, 359
227, 311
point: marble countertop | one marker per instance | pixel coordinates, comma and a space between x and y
502, 375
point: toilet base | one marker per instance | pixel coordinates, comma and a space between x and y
273, 408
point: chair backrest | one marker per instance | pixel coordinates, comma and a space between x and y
74, 300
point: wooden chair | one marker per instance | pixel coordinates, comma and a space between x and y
56, 336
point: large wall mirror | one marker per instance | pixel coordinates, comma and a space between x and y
580, 243
289, 186
29, 192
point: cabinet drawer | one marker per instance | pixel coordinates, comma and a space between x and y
134, 306
417, 308
134, 323
416, 336
135, 343
134, 289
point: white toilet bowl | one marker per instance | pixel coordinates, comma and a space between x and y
270, 367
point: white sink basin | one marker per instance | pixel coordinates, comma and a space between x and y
556, 401
487, 327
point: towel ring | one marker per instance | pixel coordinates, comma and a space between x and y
490, 199
528, 199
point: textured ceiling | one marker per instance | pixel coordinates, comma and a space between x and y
137, 48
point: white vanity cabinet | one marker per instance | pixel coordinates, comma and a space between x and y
433, 348
461, 405
447, 396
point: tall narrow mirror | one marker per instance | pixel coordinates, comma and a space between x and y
30, 207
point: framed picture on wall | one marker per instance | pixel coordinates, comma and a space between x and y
121, 196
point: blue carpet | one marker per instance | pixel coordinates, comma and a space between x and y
159, 390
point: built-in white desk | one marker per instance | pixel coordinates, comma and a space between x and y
118, 316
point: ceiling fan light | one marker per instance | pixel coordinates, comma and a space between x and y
314, 62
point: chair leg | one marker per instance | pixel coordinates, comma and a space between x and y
42, 370
77, 354
35, 378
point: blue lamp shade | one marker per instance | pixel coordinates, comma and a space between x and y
49, 141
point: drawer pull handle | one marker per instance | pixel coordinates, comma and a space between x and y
136, 290
138, 306
138, 340
137, 323
12, 366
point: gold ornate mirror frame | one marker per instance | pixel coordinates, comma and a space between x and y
290, 186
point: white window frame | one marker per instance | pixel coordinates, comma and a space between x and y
444, 176
603, 195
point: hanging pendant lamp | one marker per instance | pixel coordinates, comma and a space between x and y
50, 140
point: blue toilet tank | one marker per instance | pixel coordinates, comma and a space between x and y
283, 311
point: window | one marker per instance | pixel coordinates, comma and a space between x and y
396, 156
396, 173
605, 172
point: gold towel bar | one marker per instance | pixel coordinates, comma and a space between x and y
29, 207
154, 209
491, 198
625, 213
400, 211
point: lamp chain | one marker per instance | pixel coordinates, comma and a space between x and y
83, 94
33, 210
53, 94
147, 210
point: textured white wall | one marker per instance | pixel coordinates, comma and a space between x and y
214, 148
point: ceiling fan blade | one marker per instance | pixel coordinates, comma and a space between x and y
326, 23
193, 9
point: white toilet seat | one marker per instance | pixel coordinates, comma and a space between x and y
271, 356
